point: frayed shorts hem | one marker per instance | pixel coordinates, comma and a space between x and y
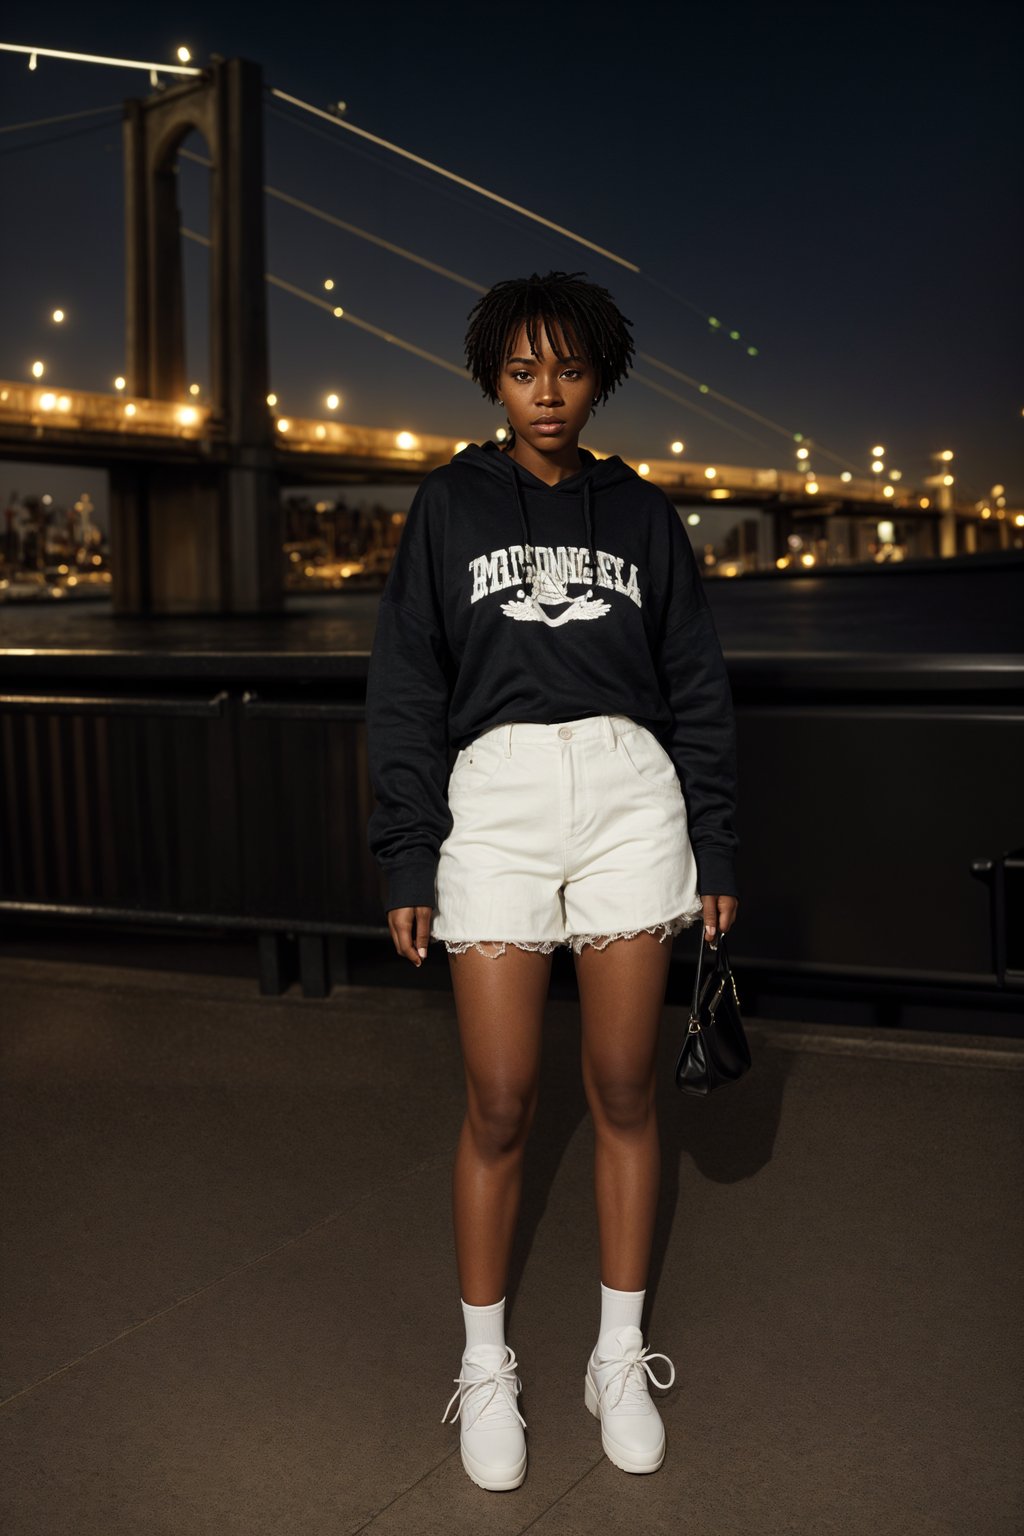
666, 929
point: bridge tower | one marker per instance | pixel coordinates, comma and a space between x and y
199, 533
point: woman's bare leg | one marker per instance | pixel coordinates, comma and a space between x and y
499, 1001
622, 993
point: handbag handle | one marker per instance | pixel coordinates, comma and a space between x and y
721, 967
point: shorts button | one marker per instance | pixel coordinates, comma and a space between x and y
564, 732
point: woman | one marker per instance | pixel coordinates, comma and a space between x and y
590, 804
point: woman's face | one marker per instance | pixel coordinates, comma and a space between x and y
537, 386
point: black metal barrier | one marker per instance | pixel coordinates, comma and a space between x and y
868, 808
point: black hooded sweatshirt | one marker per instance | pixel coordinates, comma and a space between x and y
491, 612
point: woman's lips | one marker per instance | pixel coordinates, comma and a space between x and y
549, 428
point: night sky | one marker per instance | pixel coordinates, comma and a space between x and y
840, 186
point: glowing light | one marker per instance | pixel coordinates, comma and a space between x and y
271, 400
63, 402
803, 453
876, 453
886, 532
946, 454
878, 466
283, 424
811, 487
187, 415
460, 446
846, 477
986, 512
406, 440
119, 382
709, 473
183, 55
807, 558
782, 562
643, 469
999, 490
129, 409
321, 430
58, 315
1019, 519
925, 501
734, 335
677, 446
693, 518
337, 312
47, 402
895, 474
38, 369
333, 401
193, 389
328, 283
947, 479
888, 490
501, 434
1000, 501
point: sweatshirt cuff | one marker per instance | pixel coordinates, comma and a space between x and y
716, 875
413, 885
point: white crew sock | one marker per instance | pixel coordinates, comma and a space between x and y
619, 1308
484, 1325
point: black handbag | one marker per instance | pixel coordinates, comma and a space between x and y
714, 1049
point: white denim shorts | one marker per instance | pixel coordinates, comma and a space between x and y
569, 833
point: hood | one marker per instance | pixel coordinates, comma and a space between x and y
592, 476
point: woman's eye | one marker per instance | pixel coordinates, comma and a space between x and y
521, 373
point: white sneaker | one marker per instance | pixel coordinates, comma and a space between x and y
616, 1392
491, 1437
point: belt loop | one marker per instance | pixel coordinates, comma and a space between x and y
508, 737
609, 732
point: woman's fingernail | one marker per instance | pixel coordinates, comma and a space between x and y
422, 954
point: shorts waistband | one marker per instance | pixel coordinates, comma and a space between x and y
606, 728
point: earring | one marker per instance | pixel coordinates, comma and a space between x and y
501, 402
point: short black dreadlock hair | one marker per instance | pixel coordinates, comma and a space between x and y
590, 321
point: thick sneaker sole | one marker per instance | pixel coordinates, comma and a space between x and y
624, 1458
488, 1477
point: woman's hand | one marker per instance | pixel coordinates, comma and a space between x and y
410, 931
719, 914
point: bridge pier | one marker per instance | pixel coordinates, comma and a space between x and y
199, 537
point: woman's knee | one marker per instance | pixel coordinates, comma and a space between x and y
621, 1105
500, 1117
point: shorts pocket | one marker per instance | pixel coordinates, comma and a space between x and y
646, 761
477, 764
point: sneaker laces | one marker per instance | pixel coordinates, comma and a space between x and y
632, 1367
503, 1382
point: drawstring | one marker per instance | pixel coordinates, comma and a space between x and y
588, 523
527, 547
